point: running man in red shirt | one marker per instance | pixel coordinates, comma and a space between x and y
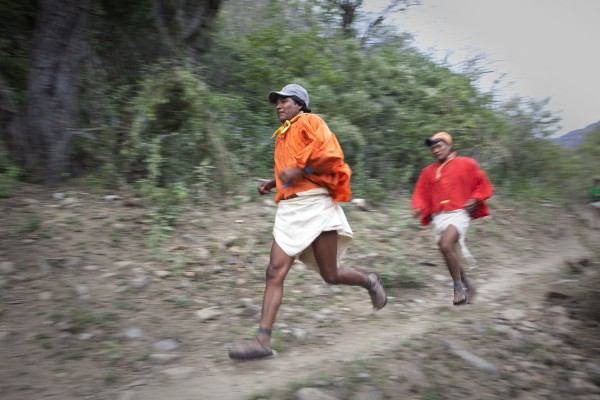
449, 193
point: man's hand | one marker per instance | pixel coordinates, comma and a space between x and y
265, 186
471, 205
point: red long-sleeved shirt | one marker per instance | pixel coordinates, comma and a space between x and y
461, 179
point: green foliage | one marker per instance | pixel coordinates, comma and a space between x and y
80, 318
124, 39
378, 99
173, 130
106, 176
521, 160
17, 19
585, 160
111, 377
202, 182
202, 126
9, 173
32, 223
166, 201
8, 180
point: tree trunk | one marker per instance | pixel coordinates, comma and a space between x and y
348, 9
184, 24
10, 119
53, 87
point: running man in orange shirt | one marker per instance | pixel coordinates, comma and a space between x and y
310, 177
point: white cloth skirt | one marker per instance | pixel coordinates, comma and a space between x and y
299, 221
461, 220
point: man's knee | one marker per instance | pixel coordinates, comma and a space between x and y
446, 247
275, 273
331, 277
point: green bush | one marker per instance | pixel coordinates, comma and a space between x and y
8, 180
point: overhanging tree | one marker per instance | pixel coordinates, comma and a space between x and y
62, 40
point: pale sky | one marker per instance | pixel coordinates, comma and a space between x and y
545, 48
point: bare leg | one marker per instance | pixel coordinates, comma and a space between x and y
447, 246
469, 285
325, 251
279, 266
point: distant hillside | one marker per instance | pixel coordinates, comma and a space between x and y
574, 138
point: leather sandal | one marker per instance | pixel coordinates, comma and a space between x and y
376, 291
250, 353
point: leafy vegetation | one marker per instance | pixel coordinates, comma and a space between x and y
180, 125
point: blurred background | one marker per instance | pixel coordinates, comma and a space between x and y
133, 242
171, 96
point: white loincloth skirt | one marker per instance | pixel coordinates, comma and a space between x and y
461, 220
299, 221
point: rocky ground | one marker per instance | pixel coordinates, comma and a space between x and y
96, 302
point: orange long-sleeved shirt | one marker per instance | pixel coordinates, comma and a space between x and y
309, 144
461, 179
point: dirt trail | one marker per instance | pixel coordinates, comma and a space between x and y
78, 276
241, 380
528, 274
